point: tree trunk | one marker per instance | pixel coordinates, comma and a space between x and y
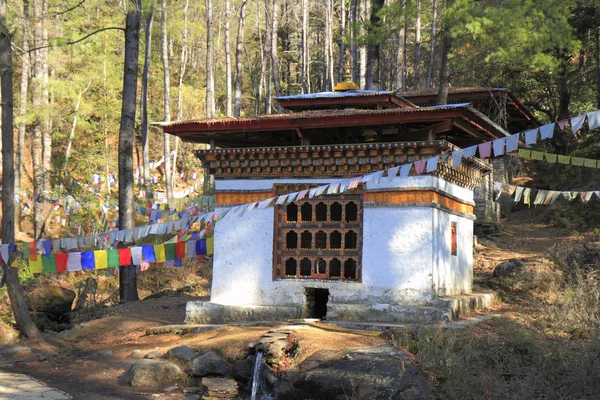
36, 103
239, 68
268, 61
182, 67
342, 45
261, 79
15, 292
362, 50
305, 49
432, 47
228, 90
144, 102
167, 101
329, 45
444, 73
274, 48
353, 5
25, 70
46, 129
418, 47
73, 125
210, 80
128, 275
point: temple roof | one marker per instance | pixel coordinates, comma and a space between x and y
364, 99
460, 124
519, 118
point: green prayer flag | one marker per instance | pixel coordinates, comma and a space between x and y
113, 258
564, 159
537, 155
588, 162
525, 154
49, 264
26, 251
551, 158
578, 161
169, 251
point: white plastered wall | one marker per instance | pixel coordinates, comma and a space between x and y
399, 263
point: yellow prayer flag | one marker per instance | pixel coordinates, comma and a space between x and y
210, 246
537, 155
100, 259
551, 158
588, 162
564, 159
526, 154
159, 252
578, 161
35, 266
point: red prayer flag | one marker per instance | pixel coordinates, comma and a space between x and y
124, 257
61, 261
33, 251
180, 250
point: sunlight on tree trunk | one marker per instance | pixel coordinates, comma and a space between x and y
144, 102
167, 103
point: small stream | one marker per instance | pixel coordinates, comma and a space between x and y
256, 375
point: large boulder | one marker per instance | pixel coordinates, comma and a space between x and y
182, 355
509, 269
154, 374
209, 364
585, 258
377, 372
53, 300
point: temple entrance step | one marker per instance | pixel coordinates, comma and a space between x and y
467, 304
387, 313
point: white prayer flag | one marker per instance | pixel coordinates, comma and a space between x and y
333, 188
392, 172
74, 262
136, 255
405, 170
531, 137
432, 163
470, 151
512, 143
547, 131
456, 158
577, 123
594, 119
498, 146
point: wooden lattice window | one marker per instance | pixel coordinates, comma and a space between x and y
319, 238
453, 242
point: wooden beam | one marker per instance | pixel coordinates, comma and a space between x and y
470, 130
428, 132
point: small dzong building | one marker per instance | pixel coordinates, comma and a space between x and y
391, 249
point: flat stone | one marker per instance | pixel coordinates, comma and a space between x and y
209, 363
10, 351
182, 329
23, 387
153, 374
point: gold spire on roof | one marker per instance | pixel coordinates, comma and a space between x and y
347, 84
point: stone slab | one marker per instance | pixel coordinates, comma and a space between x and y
206, 312
23, 387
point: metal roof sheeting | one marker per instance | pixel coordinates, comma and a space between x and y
336, 95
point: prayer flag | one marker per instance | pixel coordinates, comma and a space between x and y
519, 194
577, 123
35, 266
531, 137
74, 262
527, 196
61, 261
148, 254
200, 247
191, 248
578, 161
87, 260
526, 154
537, 155
124, 257
498, 146
392, 172
210, 246
405, 170
456, 158
547, 131
169, 251
112, 258
551, 158
26, 251
587, 162
180, 250
420, 166
49, 264
432, 163
159, 252
512, 143
136, 255
564, 159
594, 119
563, 123
469, 151
100, 259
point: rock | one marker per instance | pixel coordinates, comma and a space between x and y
209, 364
377, 372
10, 351
153, 374
137, 354
192, 390
153, 354
242, 369
53, 300
43, 358
585, 258
8, 334
68, 334
170, 389
103, 353
220, 388
511, 268
182, 355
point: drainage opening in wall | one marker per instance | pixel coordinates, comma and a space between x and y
315, 305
